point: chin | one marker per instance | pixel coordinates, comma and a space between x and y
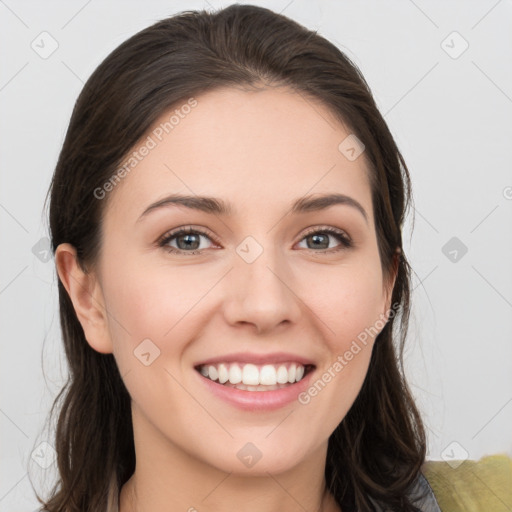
246, 458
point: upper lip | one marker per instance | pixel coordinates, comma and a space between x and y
247, 357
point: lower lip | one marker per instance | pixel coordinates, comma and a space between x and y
258, 400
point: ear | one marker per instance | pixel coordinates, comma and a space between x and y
87, 297
389, 284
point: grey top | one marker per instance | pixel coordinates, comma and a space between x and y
422, 496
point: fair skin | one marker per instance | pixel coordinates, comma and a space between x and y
258, 151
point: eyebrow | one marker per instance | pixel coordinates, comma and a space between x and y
216, 206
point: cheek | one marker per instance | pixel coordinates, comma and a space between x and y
151, 304
148, 301
349, 302
152, 318
350, 311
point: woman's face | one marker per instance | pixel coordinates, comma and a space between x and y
258, 285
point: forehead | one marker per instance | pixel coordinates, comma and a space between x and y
250, 148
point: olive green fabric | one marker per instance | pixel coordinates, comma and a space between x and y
473, 486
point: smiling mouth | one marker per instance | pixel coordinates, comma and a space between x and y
252, 377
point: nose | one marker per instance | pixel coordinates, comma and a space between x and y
261, 293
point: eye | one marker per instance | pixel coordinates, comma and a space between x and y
186, 238
320, 238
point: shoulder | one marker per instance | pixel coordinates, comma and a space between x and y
422, 495
461, 485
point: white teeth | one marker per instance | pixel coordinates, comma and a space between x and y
250, 375
256, 388
223, 373
254, 377
292, 372
212, 372
268, 375
282, 375
235, 374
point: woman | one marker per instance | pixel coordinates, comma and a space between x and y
226, 219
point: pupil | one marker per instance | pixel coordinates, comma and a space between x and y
316, 237
188, 238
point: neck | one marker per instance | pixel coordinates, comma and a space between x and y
269, 495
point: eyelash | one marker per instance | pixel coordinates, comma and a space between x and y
346, 242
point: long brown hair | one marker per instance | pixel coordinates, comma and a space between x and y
378, 448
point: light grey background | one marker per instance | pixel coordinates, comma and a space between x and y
451, 114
